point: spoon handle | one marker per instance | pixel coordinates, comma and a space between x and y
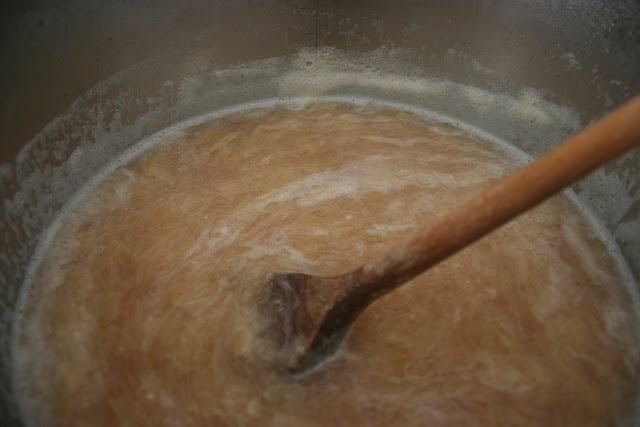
606, 139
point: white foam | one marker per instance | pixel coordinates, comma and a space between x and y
313, 187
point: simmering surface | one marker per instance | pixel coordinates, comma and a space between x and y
143, 310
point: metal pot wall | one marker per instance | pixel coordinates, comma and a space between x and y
82, 81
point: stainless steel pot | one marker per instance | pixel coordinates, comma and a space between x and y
83, 80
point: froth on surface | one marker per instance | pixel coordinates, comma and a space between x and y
143, 309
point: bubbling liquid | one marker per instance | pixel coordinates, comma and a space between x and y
143, 307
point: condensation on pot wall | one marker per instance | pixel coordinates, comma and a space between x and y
113, 116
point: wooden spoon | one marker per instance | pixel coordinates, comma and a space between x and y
315, 312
